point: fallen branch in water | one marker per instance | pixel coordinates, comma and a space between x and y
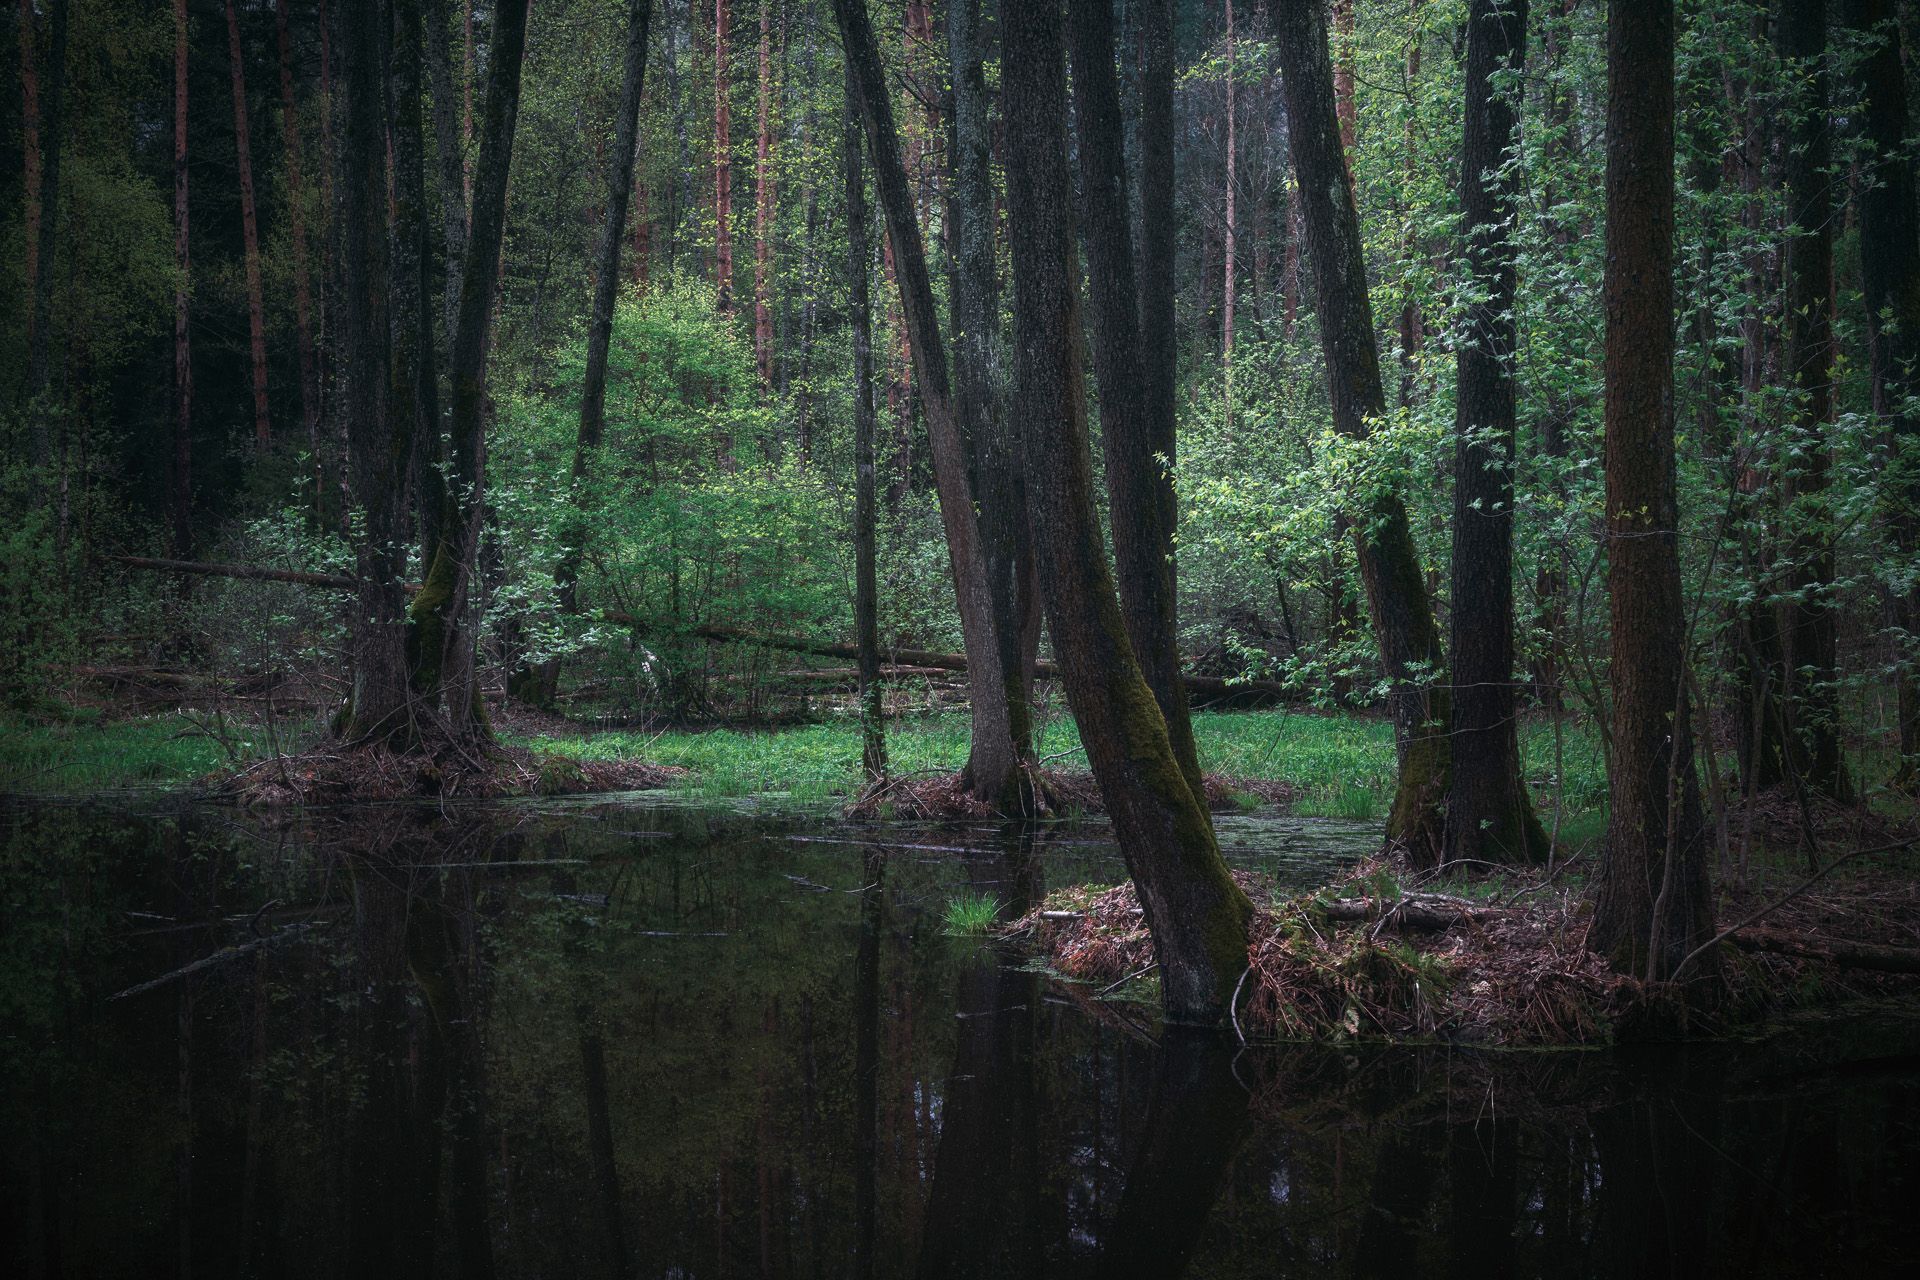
218, 957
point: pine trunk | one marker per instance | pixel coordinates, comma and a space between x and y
763, 205
1143, 541
249, 231
866, 591
297, 231
182, 265
1489, 815
1811, 650
1197, 915
722, 166
1383, 539
1654, 903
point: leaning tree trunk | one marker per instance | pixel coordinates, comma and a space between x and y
998, 761
1389, 564
297, 232
377, 436
43, 210
1197, 915
866, 590
182, 266
249, 231
539, 683
1890, 278
1134, 441
1489, 815
1654, 903
1811, 649
440, 636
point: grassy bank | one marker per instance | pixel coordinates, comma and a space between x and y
1338, 766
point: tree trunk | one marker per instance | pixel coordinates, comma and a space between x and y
297, 230
722, 166
1389, 564
997, 762
1134, 441
450, 149
866, 591
1654, 903
763, 205
249, 231
413, 403
1811, 652
1229, 276
1197, 915
377, 435
1890, 278
44, 143
440, 636
182, 266
1489, 815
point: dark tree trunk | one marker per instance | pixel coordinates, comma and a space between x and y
414, 401
866, 590
1197, 915
440, 636
450, 149
1654, 903
1890, 278
297, 231
722, 165
1811, 650
249, 230
999, 764
182, 265
378, 434
606, 287
1489, 815
1134, 436
1389, 564
43, 210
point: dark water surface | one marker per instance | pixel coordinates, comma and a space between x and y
605, 1039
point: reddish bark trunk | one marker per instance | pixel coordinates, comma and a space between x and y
722, 165
249, 230
763, 205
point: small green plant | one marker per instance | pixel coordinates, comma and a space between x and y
971, 914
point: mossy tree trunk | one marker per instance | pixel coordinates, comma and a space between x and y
1000, 760
1390, 568
1890, 278
1197, 915
1654, 902
1135, 435
1489, 815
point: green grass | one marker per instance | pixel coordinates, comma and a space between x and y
971, 914
80, 756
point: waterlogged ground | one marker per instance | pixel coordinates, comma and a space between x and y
595, 1038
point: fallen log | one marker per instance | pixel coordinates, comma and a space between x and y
1427, 912
1851, 955
1197, 685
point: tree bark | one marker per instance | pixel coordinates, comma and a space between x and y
1654, 903
1197, 915
1389, 563
1137, 484
44, 142
866, 591
1229, 279
249, 230
722, 165
414, 401
1489, 815
1890, 278
763, 205
997, 765
297, 230
182, 266
440, 637
1811, 651
450, 149
378, 443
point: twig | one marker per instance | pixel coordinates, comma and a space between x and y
218, 957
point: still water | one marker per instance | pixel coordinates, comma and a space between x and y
625, 1039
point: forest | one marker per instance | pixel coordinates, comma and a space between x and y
1471, 446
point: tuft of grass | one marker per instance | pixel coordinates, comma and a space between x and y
971, 914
